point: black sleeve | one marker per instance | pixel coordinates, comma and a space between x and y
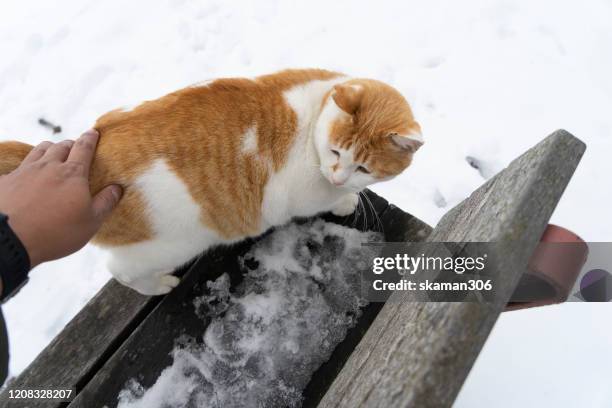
4, 350
14, 260
14, 268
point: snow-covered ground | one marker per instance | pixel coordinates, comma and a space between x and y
486, 78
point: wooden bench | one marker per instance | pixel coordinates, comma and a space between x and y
120, 334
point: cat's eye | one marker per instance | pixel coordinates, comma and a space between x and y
363, 170
337, 153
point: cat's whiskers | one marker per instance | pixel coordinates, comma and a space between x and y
365, 213
357, 214
379, 225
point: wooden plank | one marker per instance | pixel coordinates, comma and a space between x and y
419, 354
84, 345
147, 352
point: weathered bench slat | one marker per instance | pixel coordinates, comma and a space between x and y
419, 354
84, 345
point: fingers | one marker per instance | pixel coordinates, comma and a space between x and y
59, 151
37, 152
84, 148
82, 151
105, 201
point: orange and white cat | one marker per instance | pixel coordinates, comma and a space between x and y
215, 163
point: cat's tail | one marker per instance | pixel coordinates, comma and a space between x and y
11, 155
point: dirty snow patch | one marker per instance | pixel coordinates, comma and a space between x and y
267, 337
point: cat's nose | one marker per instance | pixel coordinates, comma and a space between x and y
335, 181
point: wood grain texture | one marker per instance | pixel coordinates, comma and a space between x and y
86, 342
419, 354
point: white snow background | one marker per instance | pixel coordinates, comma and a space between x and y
487, 79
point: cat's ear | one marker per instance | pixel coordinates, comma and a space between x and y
410, 142
348, 97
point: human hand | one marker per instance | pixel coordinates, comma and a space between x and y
48, 202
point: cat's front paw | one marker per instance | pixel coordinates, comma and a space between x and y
346, 205
152, 285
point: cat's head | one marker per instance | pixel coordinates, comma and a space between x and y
365, 133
